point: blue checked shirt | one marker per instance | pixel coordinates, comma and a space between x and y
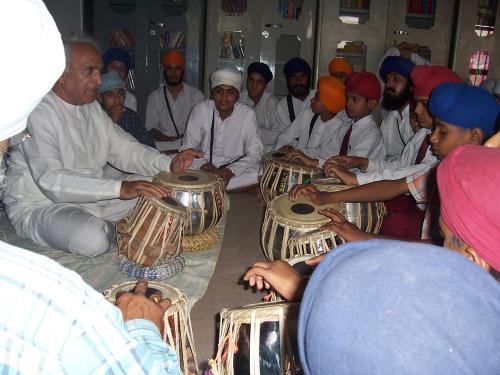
51, 322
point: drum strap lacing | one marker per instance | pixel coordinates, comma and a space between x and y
291, 111
170, 111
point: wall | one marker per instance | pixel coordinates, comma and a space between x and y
68, 15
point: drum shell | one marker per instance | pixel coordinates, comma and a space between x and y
314, 243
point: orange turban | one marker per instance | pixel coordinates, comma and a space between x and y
331, 92
173, 57
339, 64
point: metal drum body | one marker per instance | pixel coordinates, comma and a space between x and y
178, 333
280, 176
285, 219
201, 193
314, 243
265, 335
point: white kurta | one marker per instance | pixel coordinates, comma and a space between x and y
130, 101
237, 136
404, 166
282, 115
157, 115
397, 132
62, 165
265, 111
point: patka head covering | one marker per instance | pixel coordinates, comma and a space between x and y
226, 76
464, 106
468, 179
426, 78
111, 81
173, 58
296, 65
339, 64
38, 37
116, 54
391, 307
488, 85
396, 64
364, 84
331, 92
261, 68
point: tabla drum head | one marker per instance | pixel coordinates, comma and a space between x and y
302, 211
187, 178
163, 290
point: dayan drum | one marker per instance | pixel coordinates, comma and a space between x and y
259, 339
313, 243
285, 219
280, 176
177, 332
152, 232
299, 264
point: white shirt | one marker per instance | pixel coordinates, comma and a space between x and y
130, 101
404, 166
157, 115
297, 134
265, 110
236, 136
282, 115
397, 132
63, 160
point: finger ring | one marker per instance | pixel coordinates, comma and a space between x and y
156, 298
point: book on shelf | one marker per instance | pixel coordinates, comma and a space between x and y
173, 39
290, 9
427, 7
355, 4
232, 46
234, 7
121, 38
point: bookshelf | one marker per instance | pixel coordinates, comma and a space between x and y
420, 13
354, 12
234, 7
486, 17
290, 9
354, 52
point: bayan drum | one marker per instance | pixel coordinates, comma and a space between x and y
285, 219
280, 176
177, 332
203, 195
258, 339
151, 234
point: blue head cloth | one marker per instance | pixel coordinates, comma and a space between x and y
118, 54
391, 307
296, 65
111, 81
261, 68
396, 64
464, 106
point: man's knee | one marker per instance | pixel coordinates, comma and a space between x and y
93, 238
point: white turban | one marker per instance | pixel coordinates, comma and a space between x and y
32, 61
227, 76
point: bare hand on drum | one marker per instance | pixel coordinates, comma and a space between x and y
134, 189
280, 276
309, 191
184, 159
314, 261
135, 305
347, 162
297, 155
347, 177
285, 148
345, 229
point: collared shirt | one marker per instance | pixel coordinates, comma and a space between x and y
157, 115
132, 124
282, 114
397, 132
404, 166
130, 101
63, 160
297, 134
51, 322
265, 111
237, 136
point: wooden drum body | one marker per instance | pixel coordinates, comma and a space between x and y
259, 339
177, 331
280, 176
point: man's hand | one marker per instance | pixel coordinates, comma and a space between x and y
494, 141
135, 305
347, 177
184, 159
285, 148
226, 174
209, 167
309, 191
314, 261
345, 229
347, 162
297, 155
116, 113
280, 276
134, 189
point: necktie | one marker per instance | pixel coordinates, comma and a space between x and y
345, 142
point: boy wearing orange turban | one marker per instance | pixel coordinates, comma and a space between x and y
169, 106
340, 69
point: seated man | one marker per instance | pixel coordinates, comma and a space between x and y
118, 60
111, 96
56, 194
227, 132
263, 102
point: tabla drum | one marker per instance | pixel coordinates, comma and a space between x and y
203, 196
285, 219
177, 332
314, 243
152, 232
280, 176
259, 339
323, 180
299, 264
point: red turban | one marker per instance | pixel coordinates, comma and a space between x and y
173, 57
468, 180
426, 78
364, 84
331, 92
339, 64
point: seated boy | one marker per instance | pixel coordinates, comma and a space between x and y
227, 132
